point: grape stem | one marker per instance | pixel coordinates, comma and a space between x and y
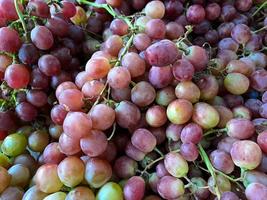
159, 152
261, 29
101, 93
151, 164
21, 19
113, 131
109, 9
207, 162
215, 131
125, 50
261, 6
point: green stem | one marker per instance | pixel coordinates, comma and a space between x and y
151, 164
109, 9
101, 93
21, 19
125, 50
158, 151
261, 6
113, 132
206, 160
261, 29
215, 131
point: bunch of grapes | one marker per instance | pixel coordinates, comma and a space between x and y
133, 100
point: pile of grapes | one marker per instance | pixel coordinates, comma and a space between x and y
133, 100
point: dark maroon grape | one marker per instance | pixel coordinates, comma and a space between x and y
195, 14
243, 5
49, 65
26, 111
57, 26
38, 8
173, 9
228, 13
28, 54
213, 11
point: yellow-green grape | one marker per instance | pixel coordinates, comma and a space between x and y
56, 196
110, 191
14, 144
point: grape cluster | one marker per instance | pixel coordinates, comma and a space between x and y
133, 100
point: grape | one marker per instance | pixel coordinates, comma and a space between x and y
42, 37
49, 65
121, 94
228, 44
82, 78
228, 13
208, 86
183, 70
113, 45
92, 89
81, 193
17, 76
256, 191
213, 11
14, 193
5, 179
119, 27
94, 144
153, 182
57, 26
134, 188
141, 41
138, 91
243, 5
14, 144
8, 121
34, 193
229, 196
38, 8
71, 171
242, 112
38, 140
155, 29
159, 133
238, 66
56, 195
52, 154
37, 98
10, 40
127, 114
254, 176
134, 63
58, 114
160, 77
241, 33
156, 116
68, 9
174, 30
47, 180
246, 154
20, 175
26, 111
179, 111
170, 187
175, 164
259, 80
222, 183
97, 67
111, 191
205, 115
97, 172
38, 79
157, 55
143, 140
233, 100
240, 128
198, 189
64, 86
119, 77
28, 54
27, 161
72, 99
261, 140
255, 43
191, 133
254, 106
155, 9
195, 14
125, 167
134, 153
232, 87
225, 115
161, 170
165, 96
189, 151
173, 132
68, 145
212, 37
110, 153
197, 56
222, 161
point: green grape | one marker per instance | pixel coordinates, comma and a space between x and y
110, 191
14, 144
4, 161
56, 196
